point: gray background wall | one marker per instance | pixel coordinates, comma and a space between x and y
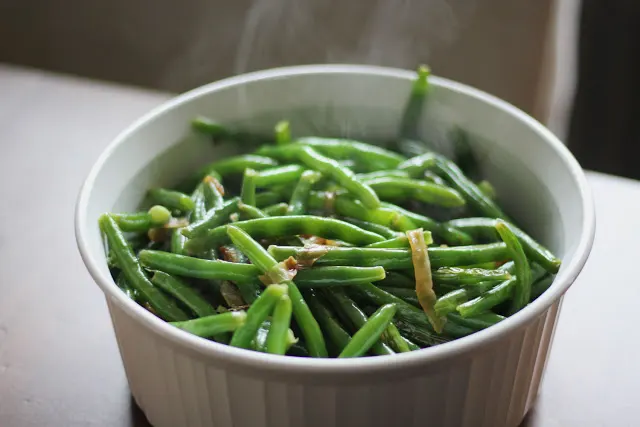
497, 45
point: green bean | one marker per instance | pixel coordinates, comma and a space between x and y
256, 314
235, 165
298, 201
488, 300
370, 332
392, 173
431, 177
298, 350
413, 109
411, 314
448, 233
419, 335
345, 305
385, 232
213, 325
277, 339
213, 193
334, 331
287, 226
213, 219
270, 267
464, 156
219, 131
259, 342
279, 175
477, 323
397, 280
172, 199
391, 259
283, 133
178, 241
407, 295
199, 208
522, 292
250, 212
122, 283
249, 291
320, 277
278, 209
267, 198
163, 306
485, 228
391, 337
248, 193
345, 205
197, 268
157, 216
183, 293
541, 285
400, 241
405, 189
466, 276
371, 157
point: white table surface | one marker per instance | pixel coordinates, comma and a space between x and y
59, 363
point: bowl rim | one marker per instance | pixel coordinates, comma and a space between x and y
296, 365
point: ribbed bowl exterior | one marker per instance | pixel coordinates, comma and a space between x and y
493, 387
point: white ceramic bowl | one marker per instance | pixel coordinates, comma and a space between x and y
488, 379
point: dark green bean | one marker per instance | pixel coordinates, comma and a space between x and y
287, 226
270, 267
298, 201
256, 314
213, 325
541, 285
356, 317
330, 326
464, 156
413, 109
405, 189
183, 293
477, 323
400, 242
131, 292
157, 216
213, 219
391, 259
163, 306
411, 314
320, 277
522, 292
370, 332
278, 209
488, 300
277, 339
279, 175
171, 199
235, 165
405, 294
397, 280
485, 228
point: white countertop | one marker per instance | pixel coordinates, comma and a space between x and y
59, 363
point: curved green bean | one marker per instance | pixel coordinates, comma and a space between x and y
277, 339
278, 209
233, 165
256, 314
370, 157
126, 260
321, 277
391, 173
250, 212
214, 218
370, 332
157, 216
213, 325
522, 292
485, 228
413, 109
385, 232
183, 293
280, 175
218, 131
405, 189
541, 285
485, 302
287, 226
477, 323
334, 331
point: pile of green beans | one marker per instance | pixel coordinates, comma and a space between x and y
325, 247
